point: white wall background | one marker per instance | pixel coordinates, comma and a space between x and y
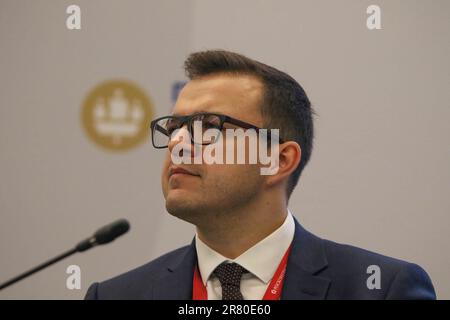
378, 178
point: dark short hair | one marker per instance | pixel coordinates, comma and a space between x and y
285, 105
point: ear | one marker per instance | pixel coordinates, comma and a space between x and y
288, 159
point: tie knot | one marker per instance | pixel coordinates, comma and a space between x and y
229, 274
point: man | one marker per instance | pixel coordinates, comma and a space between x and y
248, 245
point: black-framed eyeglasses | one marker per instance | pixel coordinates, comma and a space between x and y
162, 128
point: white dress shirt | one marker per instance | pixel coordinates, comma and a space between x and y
261, 260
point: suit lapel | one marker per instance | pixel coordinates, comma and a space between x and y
306, 260
176, 283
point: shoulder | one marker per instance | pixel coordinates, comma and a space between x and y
373, 275
136, 283
348, 258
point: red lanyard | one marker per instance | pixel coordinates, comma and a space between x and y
273, 291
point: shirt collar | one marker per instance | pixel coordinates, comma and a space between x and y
261, 260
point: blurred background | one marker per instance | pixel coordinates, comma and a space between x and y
378, 178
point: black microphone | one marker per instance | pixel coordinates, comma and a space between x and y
103, 235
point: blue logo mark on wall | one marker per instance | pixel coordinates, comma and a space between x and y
176, 88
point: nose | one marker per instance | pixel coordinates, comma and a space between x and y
183, 137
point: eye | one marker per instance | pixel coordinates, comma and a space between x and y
211, 122
211, 125
171, 125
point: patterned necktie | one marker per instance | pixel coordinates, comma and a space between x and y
229, 275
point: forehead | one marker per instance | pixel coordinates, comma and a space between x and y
234, 95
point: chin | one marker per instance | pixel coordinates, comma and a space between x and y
183, 206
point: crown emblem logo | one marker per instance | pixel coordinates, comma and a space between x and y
116, 115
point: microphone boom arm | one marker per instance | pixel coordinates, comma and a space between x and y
103, 235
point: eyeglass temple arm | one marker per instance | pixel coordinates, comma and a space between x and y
241, 124
246, 125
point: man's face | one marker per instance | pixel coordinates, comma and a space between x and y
214, 188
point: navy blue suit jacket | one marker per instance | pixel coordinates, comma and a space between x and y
316, 269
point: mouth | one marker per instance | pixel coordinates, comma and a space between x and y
177, 171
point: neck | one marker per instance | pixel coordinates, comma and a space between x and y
233, 233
